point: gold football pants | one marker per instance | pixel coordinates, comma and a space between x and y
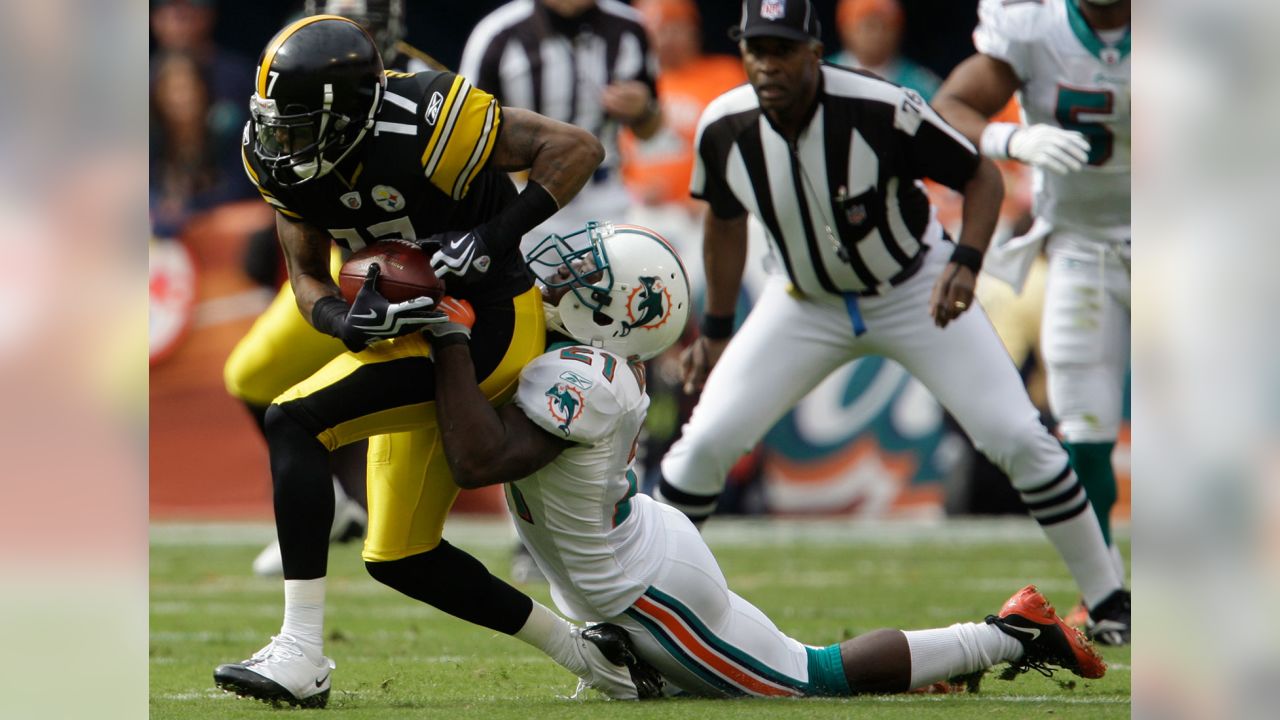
387, 393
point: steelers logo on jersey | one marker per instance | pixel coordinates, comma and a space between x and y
648, 306
387, 198
564, 402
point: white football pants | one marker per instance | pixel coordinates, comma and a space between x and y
1085, 335
706, 640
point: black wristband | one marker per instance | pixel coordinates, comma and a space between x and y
717, 327
531, 207
329, 315
969, 257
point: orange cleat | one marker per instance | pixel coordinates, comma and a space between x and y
1046, 638
1078, 618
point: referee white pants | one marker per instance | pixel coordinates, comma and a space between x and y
706, 640
789, 344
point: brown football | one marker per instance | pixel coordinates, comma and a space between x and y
406, 272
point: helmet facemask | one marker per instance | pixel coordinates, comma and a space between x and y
296, 145
621, 288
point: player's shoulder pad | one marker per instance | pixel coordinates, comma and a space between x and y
418, 85
577, 393
1019, 21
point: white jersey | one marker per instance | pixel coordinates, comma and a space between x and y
580, 516
1075, 79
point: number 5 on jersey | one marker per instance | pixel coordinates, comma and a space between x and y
1076, 102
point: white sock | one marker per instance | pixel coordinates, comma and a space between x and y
1078, 538
1118, 561
304, 614
944, 653
553, 635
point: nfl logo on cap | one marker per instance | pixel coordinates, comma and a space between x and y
773, 9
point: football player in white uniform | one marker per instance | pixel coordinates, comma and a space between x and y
1069, 63
565, 448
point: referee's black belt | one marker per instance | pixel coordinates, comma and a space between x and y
907, 272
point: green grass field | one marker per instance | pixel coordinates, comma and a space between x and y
820, 581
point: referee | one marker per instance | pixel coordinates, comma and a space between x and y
584, 62
829, 160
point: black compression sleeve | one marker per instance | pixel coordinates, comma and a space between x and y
503, 231
328, 315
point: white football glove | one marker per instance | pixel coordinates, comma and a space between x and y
1043, 146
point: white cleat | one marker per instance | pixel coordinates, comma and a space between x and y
613, 665
349, 523
279, 673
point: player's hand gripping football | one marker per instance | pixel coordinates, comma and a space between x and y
1048, 147
952, 294
372, 317
465, 255
460, 318
697, 360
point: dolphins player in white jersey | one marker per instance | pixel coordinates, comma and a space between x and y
565, 449
1069, 63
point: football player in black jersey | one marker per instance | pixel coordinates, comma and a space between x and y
349, 153
282, 349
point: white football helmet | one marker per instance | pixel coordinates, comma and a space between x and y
624, 288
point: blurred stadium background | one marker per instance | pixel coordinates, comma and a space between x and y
1205, 349
869, 442
869, 446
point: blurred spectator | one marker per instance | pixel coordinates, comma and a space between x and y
186, 26
194, 164
198, 111
656, 172
871, 33
584, 62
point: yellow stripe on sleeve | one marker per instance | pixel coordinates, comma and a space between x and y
476, 118
483, 149
442, 126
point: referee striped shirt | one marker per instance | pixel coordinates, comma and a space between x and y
530, 58
843, 205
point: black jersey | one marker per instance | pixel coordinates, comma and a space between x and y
420, 171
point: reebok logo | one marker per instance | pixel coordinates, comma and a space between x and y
433, 108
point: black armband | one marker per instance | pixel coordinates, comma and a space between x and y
531, 207
717, 327
969, 257
329, 315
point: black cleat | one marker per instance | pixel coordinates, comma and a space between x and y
613, 643
1109, 622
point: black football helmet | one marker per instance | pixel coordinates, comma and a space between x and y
382, 19
319, 84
